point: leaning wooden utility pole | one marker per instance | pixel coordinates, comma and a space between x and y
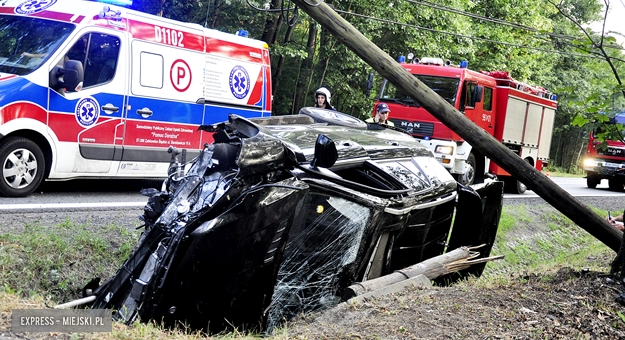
476, 136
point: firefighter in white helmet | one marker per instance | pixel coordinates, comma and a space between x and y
322, 99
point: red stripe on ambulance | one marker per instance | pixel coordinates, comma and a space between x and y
47, 15
232, 50
67, 128
257, 90
22, 110
165, 35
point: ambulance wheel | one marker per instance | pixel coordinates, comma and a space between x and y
22, 167
332, 117
592, 181
469, 176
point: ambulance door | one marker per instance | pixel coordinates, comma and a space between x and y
86, 122
166, 64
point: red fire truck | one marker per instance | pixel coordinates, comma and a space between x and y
607, 162
518, 115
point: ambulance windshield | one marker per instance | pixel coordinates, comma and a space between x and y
445, 87
27, 42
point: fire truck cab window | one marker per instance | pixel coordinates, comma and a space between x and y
488, 99
469, 96
443, 86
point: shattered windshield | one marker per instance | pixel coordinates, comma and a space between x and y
28, 42
316, 257
443, 86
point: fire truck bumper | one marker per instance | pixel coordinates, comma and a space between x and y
604, 168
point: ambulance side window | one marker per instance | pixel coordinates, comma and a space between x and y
98, 54
151, 74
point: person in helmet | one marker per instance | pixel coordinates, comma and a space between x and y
322, 99
381, 115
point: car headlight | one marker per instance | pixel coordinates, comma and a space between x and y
589, 162
446, 150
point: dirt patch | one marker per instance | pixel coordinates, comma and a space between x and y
570, 304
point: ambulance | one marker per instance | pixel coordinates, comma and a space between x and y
89, 90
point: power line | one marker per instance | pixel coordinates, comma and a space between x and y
498, 21
472, 37
493, 20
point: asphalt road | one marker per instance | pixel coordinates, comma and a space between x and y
114, 194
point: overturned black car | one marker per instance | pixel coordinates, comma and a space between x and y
279, 215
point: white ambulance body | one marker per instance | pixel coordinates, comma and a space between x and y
147, 84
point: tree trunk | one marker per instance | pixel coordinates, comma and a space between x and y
306, 70
269, 32
456, 121
278, 70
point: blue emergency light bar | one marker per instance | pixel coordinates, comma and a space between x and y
125, 3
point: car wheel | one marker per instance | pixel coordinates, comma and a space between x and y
592, 181
615, 184
22, 167
332, 117
469, 176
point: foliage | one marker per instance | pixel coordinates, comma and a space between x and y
541, 43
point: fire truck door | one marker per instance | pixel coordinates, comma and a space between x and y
85, 121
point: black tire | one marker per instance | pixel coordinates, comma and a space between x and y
518, 187
333, 117
592, 181
23, 167
615, 184
468, 178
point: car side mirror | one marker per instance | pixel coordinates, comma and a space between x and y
325, 152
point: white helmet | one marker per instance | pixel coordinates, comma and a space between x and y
323, 91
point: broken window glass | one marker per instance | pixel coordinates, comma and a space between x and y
316, 257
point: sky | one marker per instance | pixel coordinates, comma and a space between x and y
614, 21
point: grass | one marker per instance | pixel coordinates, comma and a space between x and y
546, 240
560, 172
41, 266
60, 260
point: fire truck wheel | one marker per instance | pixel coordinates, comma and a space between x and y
22, 167
592, 181
332, 117
468, 177
615, 184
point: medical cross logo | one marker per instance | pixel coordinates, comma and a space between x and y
33, 6
87, 112
239, 82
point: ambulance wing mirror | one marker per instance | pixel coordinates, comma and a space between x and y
70, 76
